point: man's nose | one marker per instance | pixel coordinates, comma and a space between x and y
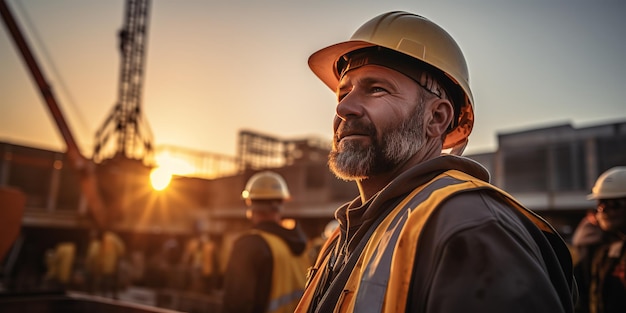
350, 106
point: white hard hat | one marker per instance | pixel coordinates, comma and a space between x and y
610, 185
266, 185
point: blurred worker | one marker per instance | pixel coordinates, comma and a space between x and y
60, 265
200, 261
267, 267
165, 268
427, 233
601, 272
92, 262
102, 263
586, 237
112, 249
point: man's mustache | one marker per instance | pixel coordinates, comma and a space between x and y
354, 127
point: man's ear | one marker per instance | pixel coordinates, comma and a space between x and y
441, 116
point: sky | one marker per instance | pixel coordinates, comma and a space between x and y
214, 68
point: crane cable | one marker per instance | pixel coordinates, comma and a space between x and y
68, 95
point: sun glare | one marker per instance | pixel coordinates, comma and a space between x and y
174, 165
160, 178
167, 166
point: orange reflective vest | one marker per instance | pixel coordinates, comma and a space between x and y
386, 263
288, 274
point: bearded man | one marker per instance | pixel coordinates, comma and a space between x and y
427, 233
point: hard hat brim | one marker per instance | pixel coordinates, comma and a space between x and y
323, 63
606, 195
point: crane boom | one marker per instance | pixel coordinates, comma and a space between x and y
125, 133
80, 163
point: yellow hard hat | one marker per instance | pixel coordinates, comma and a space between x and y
417, 37
610, 185
266, 185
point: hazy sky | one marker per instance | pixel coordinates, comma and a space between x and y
215, 67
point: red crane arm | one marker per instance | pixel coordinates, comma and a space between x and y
82, 165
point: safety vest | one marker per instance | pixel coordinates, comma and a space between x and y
111, 251
199, 254
380, 280
288, 274
61, 263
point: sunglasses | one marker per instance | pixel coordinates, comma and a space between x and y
605, 205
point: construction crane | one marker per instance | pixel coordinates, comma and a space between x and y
80, 163
134, 139
125, 133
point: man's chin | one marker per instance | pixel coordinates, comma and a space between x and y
344, 166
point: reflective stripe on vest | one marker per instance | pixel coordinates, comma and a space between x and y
288, 274
381, 278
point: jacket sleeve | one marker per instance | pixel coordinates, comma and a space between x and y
484, 259
247, 276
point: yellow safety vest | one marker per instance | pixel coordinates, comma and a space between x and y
288, 274
199, 254
402, 226
62, 262
111, 251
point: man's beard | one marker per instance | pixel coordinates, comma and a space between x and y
395, 146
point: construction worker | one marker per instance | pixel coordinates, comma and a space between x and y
427, 233
200, 260
104, 254
112, 250
60, 265
267, 266
93, 272
601, 271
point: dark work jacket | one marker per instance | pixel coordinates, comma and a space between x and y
476, 252
601, 278
249, 272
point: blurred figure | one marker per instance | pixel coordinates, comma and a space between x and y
586, 237
92, 261
102, 263
601, 270
166, 270
112, 249
60, 265
199, 259
267, 266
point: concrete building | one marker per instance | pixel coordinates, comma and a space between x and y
552, 169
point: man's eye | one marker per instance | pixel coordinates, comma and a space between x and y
378, 89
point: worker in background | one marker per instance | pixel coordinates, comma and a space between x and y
427, 233
200, 261
586, 237
104, 254
60, 265
112, 251
93, 274
267, 266
601, 271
